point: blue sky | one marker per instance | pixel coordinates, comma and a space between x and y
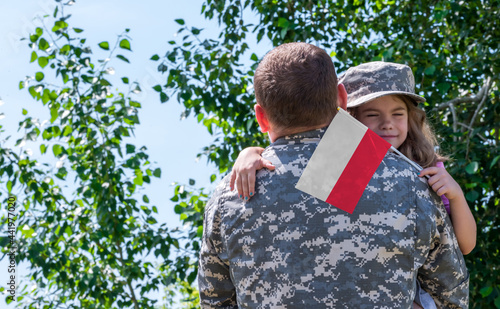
172, 144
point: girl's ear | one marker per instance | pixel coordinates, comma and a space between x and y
261, 116
341, 97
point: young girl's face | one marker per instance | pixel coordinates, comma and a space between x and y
387, 117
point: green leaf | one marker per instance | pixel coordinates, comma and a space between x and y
78, 30
283, 23
57, 149
495, 160
53, 114
151, 220
58, 25
471, 196
191, 182
34, 56
195, 31
39, 76
430, 70
25, 112
43, 61
443, 87
125, 80
33, 92
155, 57
486, 291
121, 57
125, 44
145, 199
104, 45
43, 44
163, 97
213, 177
68, 230
191, 277
130, 148
472, 168
67, 130
180, 21
27, 231
250, 122
497, 302
157, 172
65, 49
138, 180
43, 148
178, 209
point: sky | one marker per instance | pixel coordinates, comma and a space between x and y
172, 144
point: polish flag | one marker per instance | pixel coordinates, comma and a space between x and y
343, 163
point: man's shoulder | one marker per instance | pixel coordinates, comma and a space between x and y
220, 193
393, 166
397, 180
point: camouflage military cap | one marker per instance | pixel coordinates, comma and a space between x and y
373, 80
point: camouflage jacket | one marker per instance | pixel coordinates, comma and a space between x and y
285, 249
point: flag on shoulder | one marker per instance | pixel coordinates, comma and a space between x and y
343, 163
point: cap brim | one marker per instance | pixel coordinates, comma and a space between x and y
366, 98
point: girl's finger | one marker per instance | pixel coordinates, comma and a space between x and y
428, 171
438, 187
244, 187
232, 180
239, 186
442, 191
268, 164
251, 184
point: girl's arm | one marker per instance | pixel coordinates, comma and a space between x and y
461, 216
243, 174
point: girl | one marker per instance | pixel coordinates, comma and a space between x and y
381, 96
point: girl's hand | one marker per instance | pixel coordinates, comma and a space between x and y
249, 161
442, 182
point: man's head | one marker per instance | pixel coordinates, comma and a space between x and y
296, 89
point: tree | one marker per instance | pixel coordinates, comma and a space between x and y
452, 46
92, 242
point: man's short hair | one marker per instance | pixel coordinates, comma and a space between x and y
296, 85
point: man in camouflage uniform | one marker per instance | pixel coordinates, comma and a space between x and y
286, 249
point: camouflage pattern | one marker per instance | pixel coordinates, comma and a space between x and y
376, 79
285, 249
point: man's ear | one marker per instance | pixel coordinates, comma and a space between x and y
261, 116
341, 97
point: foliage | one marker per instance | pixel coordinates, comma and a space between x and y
93, 242
452, 46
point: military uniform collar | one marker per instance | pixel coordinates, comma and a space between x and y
300, 137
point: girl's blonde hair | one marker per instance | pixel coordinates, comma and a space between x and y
421, 141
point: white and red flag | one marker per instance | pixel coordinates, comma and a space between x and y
343, 163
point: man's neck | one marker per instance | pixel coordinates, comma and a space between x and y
275, 134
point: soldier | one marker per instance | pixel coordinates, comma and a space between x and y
286, 249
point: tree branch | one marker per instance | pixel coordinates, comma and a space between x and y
476, 112
477, 98
134, 299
